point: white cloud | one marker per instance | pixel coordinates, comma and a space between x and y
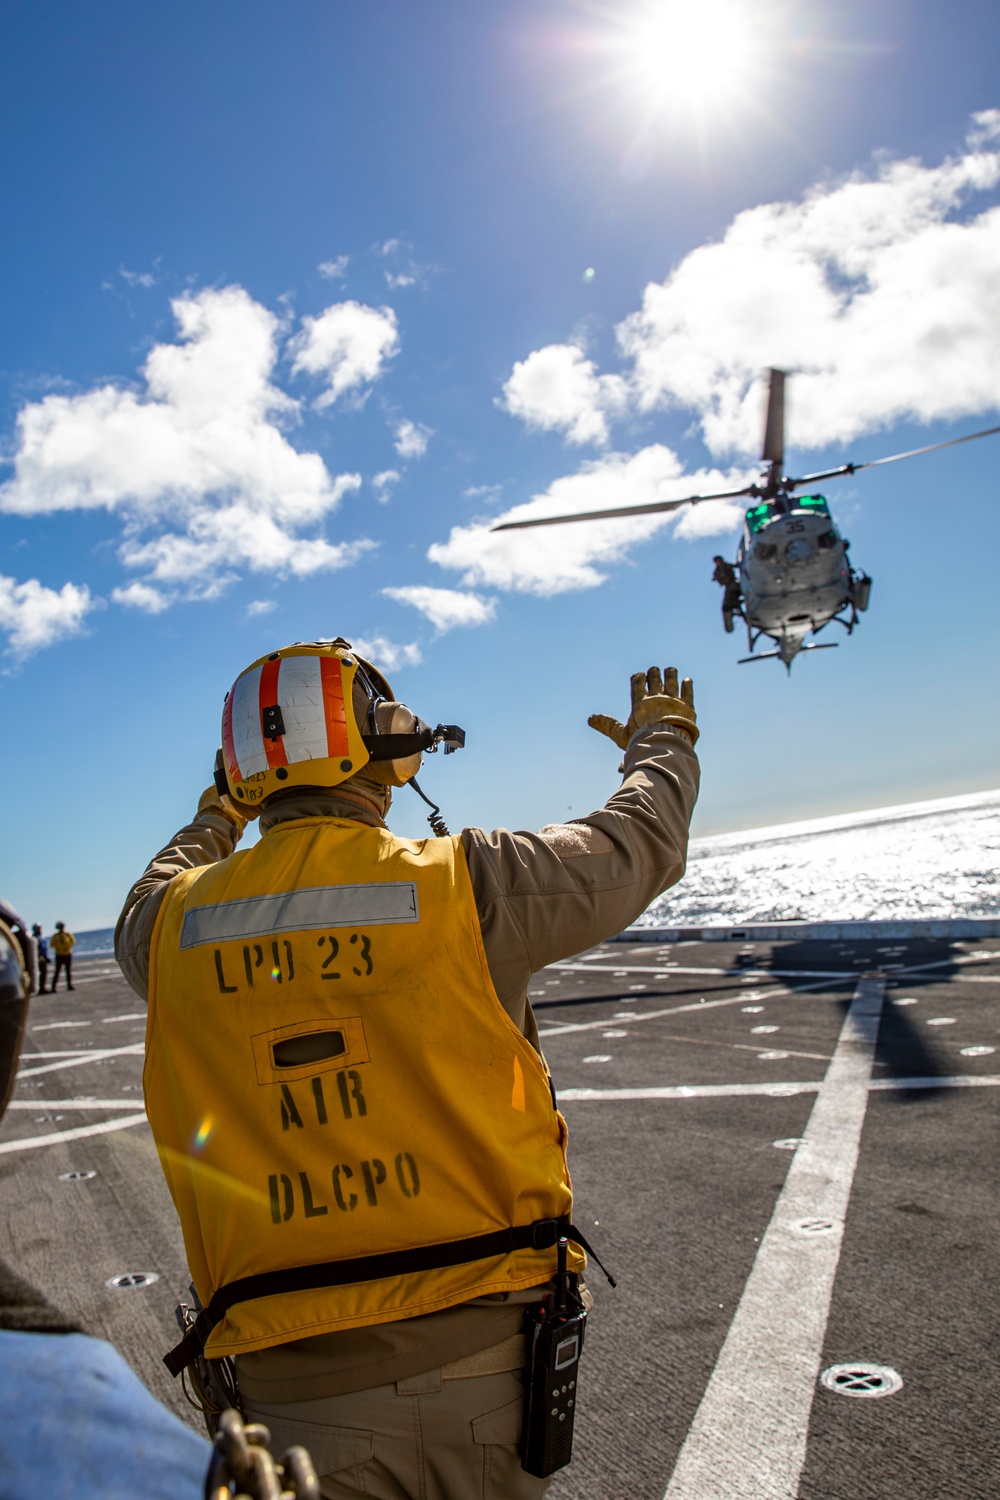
387, 654
195, 462
349, 343
34, 616
409, 272
445, 608
879, 292
336, 269
553, 560
412, 439
382, 484
137, 278
260, 607
224, 538
558, 388
142, 596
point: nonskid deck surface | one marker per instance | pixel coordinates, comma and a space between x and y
747, 1264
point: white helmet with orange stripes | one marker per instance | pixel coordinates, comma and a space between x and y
312, 715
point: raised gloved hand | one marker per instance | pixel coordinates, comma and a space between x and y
211, 801
655, 700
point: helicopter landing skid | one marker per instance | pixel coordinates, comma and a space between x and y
766, 655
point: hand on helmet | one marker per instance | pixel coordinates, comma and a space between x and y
210, 801
655, 700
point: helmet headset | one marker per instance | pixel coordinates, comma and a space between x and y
314, 714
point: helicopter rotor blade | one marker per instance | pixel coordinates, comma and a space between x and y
873, 463
655, 507
774, 426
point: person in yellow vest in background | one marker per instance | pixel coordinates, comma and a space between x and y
63, 943
343, 1073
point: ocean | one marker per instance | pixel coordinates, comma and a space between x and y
919, 860
97, 943
922, 859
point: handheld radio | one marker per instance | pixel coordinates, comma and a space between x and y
555, 1333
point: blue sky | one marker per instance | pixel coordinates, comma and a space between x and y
297, 300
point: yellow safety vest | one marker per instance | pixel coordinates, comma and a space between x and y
330, 1077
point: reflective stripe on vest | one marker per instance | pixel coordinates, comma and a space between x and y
330, 1076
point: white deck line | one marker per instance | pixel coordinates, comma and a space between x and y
45, 1105
749, 1434
736, 998
136, 1049
769, 1090
104, 1127
649, 1015
758, 975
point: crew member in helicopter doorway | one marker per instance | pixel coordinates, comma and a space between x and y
725, 574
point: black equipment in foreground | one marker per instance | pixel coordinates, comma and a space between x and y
242, 1466
555, 1334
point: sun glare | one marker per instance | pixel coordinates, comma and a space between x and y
688, 53
682, 67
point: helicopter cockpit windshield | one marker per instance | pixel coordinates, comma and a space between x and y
759, 516
815, 504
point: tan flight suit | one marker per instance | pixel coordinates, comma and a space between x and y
431, 1406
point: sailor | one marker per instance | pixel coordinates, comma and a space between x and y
41, 946
343, 1072
70, 1407
725, 574
63, 943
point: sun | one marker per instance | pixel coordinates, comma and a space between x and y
684, 67
689, 53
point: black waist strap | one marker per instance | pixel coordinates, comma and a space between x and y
541, 1235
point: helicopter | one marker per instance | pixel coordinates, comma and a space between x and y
792, 575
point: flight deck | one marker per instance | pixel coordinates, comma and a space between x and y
784, 1152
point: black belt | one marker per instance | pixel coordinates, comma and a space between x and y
541, 1235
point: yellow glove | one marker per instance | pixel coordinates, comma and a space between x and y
210, 801
655, 700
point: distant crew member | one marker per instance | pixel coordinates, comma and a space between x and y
41, 956
343, 1072
63, 943
725, 574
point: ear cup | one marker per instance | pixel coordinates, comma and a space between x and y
395, 718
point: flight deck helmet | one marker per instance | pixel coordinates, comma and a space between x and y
312, 715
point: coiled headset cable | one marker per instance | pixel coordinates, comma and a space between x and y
438, 825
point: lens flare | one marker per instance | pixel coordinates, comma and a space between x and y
203, 1132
